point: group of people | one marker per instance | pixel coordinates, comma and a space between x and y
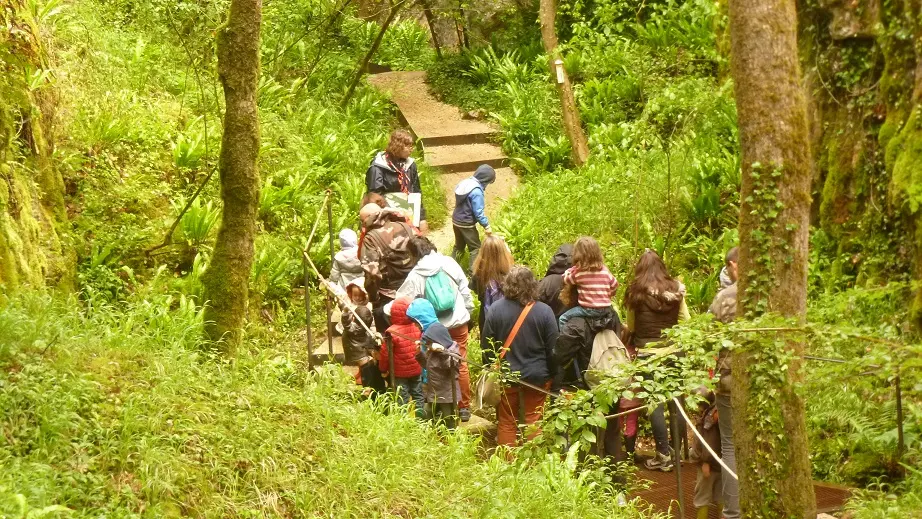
421, 302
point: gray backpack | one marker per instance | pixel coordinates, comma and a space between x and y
609, 358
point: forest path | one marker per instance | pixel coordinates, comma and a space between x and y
450, 143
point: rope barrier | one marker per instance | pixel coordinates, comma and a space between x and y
701, 439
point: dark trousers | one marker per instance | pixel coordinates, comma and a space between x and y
469, 238
442, 413
371, 377
660, 434
382, 320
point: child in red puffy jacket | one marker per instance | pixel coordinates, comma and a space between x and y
404, 335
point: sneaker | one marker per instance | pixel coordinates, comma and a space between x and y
465, 414
663, 462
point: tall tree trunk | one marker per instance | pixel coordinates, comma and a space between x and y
363, 65
227, 278
770, 433
33, 217
430, 20
571, 120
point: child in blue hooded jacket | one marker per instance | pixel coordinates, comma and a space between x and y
470, 205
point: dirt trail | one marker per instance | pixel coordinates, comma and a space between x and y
454, 145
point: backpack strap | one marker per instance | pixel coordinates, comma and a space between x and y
515, 329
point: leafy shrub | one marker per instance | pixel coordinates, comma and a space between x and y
198, 221
111, 411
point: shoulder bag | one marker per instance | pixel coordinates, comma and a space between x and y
488, 388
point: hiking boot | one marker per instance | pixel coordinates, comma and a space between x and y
663, 462
465, 414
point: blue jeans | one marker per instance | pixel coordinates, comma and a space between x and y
580, 311
411, 389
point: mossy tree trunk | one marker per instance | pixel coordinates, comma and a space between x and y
770, 433
572, 124
227, 278
33, 218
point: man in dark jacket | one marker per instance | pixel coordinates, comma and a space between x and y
549, 288
573, 351
394, 171
470, 205
574, 347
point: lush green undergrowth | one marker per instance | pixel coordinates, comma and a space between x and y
661, 124
652, 86
140, 113
117, 412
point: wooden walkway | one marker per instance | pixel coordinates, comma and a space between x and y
663, 496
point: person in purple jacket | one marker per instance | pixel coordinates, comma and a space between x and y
469, 211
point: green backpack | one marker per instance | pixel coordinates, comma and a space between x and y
440, 291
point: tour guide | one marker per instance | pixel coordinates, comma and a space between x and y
394, 171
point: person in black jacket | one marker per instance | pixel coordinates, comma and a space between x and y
531, 353
549, 288
394, 171
574, 347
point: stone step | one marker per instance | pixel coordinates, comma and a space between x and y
465, 158
456, 140
433, 122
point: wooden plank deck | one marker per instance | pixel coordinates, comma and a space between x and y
662, 492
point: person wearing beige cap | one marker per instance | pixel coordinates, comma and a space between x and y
385, 257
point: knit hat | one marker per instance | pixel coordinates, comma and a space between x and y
437, 334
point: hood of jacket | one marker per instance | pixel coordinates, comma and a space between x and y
348, 239
399, 312
422, 311
485, 174
562, 260
381, 162
430, 264
438, 334
349, 259
661, 301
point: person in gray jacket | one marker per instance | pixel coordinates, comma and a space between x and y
723, 308
439, 355
347, 268
429, 263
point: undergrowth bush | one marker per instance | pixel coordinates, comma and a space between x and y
141, 121
118, 411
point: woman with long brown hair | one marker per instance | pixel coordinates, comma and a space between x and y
490, 268
655, 302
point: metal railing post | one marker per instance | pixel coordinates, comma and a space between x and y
330, 326
390, 363
307, 317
